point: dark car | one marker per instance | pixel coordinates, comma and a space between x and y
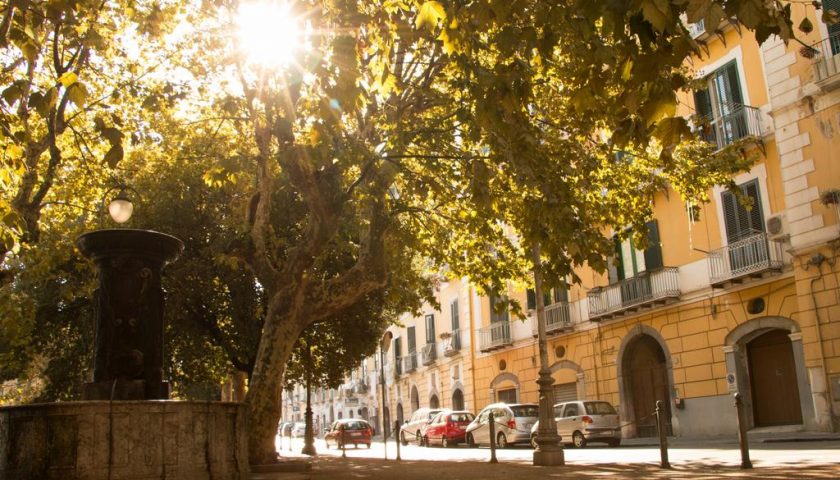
348, 431
447, 428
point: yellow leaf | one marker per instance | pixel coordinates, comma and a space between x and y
430, 14
68, 78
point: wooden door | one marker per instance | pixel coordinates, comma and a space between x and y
775, 392
647, 381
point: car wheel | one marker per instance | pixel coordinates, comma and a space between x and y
501, 441
403, 440
614, 443
470, 441
534, 443
419, 438
577, 440
444, 442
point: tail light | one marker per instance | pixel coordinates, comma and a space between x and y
587, 419
512, 424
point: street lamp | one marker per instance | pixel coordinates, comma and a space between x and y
549, 452
119, 207
308, 437
384, 344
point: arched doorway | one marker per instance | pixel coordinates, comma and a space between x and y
433, 401
415, 399
457, 400
772, 371
645, 376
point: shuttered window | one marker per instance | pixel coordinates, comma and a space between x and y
397, 349
430, 328
565, 392
497, 316
453, 309
653, 253
629, 262
740, 222
833, 29
412, 340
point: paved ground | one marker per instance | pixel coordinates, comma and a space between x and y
812, 459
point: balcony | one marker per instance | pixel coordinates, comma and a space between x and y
410, 362
755, 256
452, 344
697, 29
558, 318
361, 387
646, 290
741, 121
428, 353
826, 58
496, 336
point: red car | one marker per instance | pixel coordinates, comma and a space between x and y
447, 428
349, 431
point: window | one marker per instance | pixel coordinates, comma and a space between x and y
412, 340
453, 310
833, 29
498, 313
628, 262
571, 410
722, 105
430, 328
741, 223
506, 396
555, 295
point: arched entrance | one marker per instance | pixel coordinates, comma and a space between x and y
645, 380
504, 388
415, 399
773, 380
457, 400
433, 401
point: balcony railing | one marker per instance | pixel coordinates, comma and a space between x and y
753, 256
558, 318
497, 335
410, 362
429, 353
697, 29
739, 122
826, 55
452, 345
645, 290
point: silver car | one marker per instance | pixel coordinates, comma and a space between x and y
411, 431
584, 421
513, 424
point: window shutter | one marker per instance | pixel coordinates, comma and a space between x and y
730, 216
561, 294
412, 340
833, 29
653, 254
532, 299
430, 328
495, 316
703, 102
739, 221
755, 221
615, 265
453, 308
397, 349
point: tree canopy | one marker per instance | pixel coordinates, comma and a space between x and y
412, 135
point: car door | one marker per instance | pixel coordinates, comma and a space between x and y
568, 422
482, 434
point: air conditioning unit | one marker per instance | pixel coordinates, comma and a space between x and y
777, 227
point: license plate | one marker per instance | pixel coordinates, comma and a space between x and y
355, 434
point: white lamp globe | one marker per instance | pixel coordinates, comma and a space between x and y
121, 208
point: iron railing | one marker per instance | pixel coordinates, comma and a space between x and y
495, 336
410, 362
748, 256
558, 316
452, 345
826, 55
429, 353
643, 289
739, 122
697, 28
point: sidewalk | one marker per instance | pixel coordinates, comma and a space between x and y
755, 437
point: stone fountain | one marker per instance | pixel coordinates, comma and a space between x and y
125, 427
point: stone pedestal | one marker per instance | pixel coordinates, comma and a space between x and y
135, 440
129, 303
549, 458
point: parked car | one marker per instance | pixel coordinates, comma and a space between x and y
412, 430
285, 429
349, 431
299, 429
513, 424
447, 428
583, 421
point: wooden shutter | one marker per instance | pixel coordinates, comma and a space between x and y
412, 340
755, 217
561, 294
532, 299
453, 309
615, 265
430, 328
833, 29
739, 221
703, 102
496, 316
653, 254
397, 349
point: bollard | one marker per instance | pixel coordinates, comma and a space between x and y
397, 438
290, 439
492, 439
343, 444
742, 432
663, 440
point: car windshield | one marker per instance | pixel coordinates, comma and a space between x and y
461, 417
599, 408
525, 411
357, 425
433, 413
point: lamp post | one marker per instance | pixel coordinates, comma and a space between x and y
308, 438
384, 344
549, 452
120, 207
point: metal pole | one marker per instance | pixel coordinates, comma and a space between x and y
343, 442
742, 432
397, 438
549, 452
663, 440
492, 439
308, 437
384, 420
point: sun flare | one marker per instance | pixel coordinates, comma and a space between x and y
269, 33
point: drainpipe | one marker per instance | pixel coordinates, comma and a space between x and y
817, 260
472, 344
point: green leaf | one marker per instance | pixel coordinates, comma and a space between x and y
78, 94
12, 93
113, 135
430, 14
657, 13
114, 155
